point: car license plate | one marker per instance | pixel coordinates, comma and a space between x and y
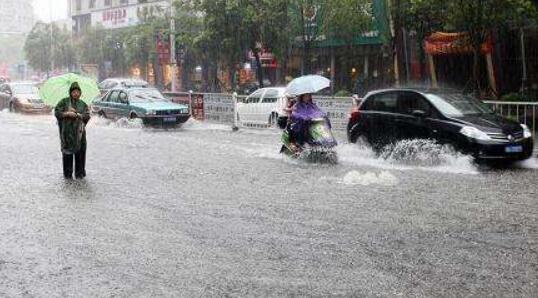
513, 149
170, 119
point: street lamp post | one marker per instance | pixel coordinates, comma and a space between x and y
173, 60
51, 39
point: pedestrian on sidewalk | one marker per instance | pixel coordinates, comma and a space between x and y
73, 115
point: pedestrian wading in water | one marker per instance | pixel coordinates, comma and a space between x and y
73, 115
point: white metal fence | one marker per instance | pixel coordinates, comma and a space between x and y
522, 112
219, 107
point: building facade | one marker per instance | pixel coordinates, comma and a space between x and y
113, 14
16, 16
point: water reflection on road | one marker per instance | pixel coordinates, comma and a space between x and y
204, 211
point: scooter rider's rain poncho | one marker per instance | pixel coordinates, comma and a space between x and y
303, 113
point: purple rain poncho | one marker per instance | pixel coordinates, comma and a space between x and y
303, 113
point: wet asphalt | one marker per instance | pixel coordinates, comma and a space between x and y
202, 211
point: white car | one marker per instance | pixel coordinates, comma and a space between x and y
263, 107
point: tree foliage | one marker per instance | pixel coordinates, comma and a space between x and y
45, 49
478, 18
11, 50
225, 30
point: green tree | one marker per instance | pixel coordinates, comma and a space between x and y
225, 29
189, 24
11, 50
315, 20
101, 46
422, 16
478, 18
43, 47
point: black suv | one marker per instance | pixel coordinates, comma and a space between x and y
388, 116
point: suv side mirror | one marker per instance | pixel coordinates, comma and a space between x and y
419, 113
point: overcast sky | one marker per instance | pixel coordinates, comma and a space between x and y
44, 8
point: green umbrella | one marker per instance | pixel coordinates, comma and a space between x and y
57, 88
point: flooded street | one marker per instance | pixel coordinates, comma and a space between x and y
203, 211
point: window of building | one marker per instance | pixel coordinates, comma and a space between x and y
92, 4
108, 2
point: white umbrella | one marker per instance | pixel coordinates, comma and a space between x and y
307, 84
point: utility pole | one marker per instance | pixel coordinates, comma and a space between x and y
173, 60
51, 39
523, 60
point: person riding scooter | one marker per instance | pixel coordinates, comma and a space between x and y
302, 111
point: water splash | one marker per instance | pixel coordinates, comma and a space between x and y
370, 178
409, 155
420, 153
120, 123
129, 123
194, 125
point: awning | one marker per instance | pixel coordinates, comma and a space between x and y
442, 43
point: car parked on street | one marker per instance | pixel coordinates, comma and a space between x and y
263, 107
388, 116
112, 83
22, 97
147, 104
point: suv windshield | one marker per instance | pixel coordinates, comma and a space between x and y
458, 105
24, 89
146, 95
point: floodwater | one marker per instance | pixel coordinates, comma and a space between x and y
203, 211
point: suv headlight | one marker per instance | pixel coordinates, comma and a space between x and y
474, 133
526, 131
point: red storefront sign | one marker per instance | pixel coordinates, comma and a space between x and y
115, 16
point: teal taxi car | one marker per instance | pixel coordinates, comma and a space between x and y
147, 104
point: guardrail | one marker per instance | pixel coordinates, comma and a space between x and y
522, 112
220, 107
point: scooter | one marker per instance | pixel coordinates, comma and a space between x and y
318, 143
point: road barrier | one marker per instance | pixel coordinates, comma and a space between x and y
522, 112
219, 107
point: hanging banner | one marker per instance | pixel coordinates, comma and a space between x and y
442, 43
